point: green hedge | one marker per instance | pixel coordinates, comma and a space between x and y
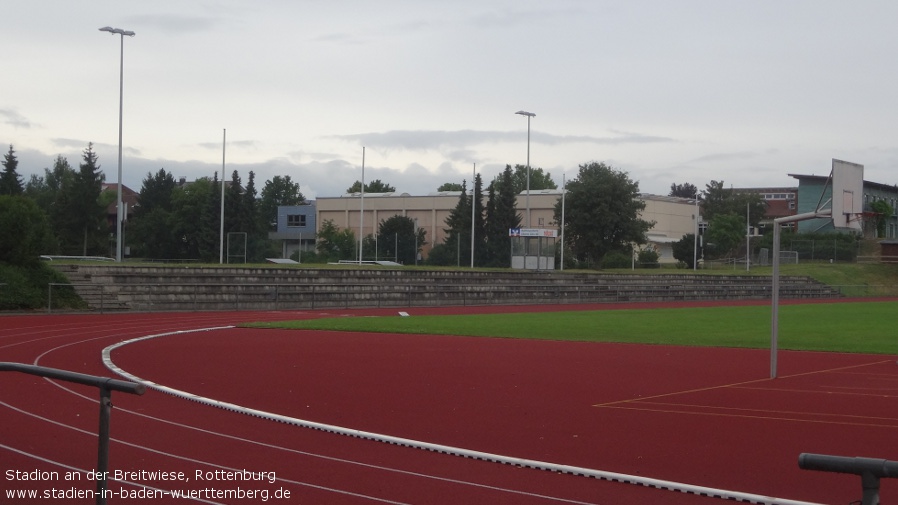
25, 288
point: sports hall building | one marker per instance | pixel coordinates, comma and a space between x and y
673, 217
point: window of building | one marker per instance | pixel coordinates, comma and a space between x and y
779, 196
296, 220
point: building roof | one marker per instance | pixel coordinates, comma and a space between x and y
870, 184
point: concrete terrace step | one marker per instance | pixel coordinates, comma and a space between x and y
123, 287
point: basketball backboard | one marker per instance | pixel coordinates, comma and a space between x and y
848, 195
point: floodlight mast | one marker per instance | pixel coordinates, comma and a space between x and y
121, 87
529, 115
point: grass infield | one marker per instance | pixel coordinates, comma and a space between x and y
860, 327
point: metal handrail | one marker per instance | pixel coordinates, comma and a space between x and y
869, 469
106, 386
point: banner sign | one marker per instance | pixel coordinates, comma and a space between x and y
532, 232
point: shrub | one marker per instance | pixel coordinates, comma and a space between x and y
648, 258
27, 288
617, 259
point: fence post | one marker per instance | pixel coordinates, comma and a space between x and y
49, 298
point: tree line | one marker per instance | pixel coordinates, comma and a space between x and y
68, 213
181, 221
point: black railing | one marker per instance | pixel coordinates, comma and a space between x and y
106, 387
869, 469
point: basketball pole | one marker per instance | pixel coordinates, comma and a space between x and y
846, 180
775, 299
775, 289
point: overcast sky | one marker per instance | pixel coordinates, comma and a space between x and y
670, 91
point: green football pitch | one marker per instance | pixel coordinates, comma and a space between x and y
860, 327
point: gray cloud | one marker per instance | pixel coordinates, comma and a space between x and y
416, 140
172, 23
338, 38
500, 18
13, 118
230, 143
81, 145
732, 156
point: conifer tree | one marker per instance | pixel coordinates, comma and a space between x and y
10, 180
501, 216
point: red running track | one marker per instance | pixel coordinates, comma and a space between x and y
707, 417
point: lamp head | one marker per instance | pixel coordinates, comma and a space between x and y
525, 113
117, 31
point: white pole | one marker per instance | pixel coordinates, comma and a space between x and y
775, 300
529, 224
747, 236
224, 143
473, 206
119, 207
121, 93
695, 237
563, 193
529, 115
362, 206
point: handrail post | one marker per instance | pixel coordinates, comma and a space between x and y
103, 445
106, 386
869, 469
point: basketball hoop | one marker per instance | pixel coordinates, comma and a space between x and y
869, 215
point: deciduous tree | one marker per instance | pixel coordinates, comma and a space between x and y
684, 190
449, 186
603, 212
276, 192
335, 244
398, 239
375, 186
539, 179
25, 231
718, 200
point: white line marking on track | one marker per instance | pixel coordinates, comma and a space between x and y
439, 448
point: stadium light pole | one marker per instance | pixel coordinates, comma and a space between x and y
121, 88
221, 231
473, 206
362, 207
529, 115
563, 193
695, 217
